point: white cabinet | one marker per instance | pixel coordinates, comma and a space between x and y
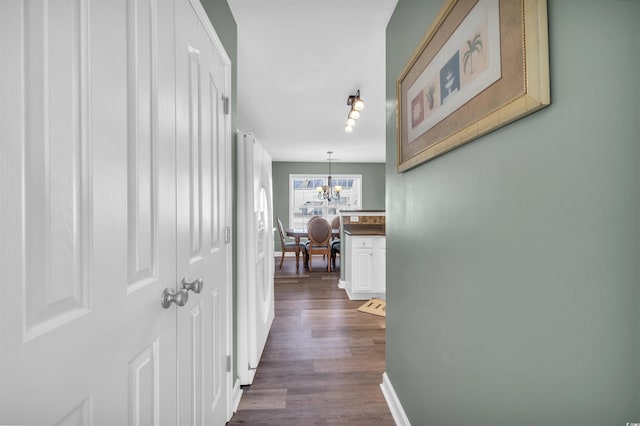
361, 265
365, 266
379, 264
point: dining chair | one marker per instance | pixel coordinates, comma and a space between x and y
335, 242
335, 222
319, 232
311, 219
335, 251
289, 246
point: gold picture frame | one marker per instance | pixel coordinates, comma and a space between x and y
481, 65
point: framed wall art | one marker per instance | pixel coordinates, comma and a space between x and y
481, 65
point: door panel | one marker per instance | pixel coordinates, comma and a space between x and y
142, 133
362, 269
55, 167
201, 158
143, 386
89, 242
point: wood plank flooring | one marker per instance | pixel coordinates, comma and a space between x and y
323, 361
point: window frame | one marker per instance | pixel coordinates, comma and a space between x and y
323, 206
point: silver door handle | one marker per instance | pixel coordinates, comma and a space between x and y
169, 295
195, 286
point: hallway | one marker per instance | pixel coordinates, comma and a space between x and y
323, 361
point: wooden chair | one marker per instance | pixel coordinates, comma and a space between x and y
319, 231
288, 246
335, 222
335, 251
312, 218
335, 242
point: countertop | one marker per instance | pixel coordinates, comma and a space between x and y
352, 229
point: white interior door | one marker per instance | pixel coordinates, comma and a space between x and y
255, 260
87, 213
202, 158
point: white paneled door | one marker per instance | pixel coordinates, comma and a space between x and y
202, 168
104, 204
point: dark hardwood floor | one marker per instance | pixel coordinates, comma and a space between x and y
323, 361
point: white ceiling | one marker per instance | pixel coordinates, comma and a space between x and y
298, 62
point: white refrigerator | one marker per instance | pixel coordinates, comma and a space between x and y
255, 310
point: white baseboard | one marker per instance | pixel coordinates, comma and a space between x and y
364, 296
341, 283
237, 395
399, 416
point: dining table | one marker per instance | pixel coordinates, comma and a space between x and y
298, 233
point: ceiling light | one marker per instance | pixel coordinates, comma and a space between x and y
357, 105
355, 101
327, 192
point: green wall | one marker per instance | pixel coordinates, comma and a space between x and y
373, 184
225, 26
513, 278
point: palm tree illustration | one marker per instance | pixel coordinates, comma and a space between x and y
430, 97
474, 46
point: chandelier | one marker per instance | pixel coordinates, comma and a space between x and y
328, 192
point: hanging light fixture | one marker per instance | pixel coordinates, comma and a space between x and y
357, 105
328, 192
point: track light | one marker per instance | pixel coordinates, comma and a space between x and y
357, 105
355, 101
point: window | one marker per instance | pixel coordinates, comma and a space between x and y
304, 202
